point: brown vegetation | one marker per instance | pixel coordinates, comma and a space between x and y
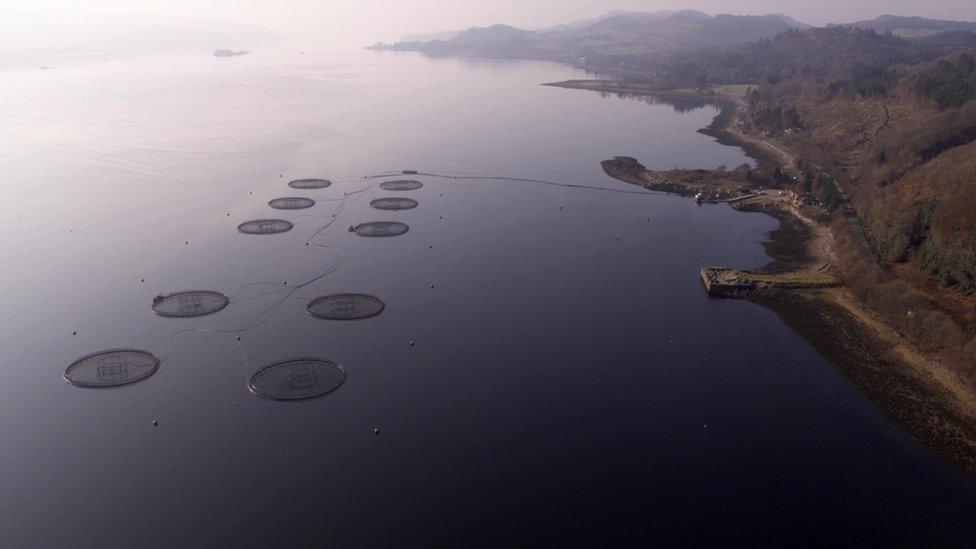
884, 130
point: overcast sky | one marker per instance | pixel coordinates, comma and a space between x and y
352, 23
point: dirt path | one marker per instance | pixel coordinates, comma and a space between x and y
783, 158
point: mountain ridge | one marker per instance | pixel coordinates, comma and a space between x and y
659, 31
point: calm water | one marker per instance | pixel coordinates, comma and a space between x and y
566, 362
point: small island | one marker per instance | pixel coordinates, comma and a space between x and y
229, 53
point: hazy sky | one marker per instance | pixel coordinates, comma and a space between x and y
352, 23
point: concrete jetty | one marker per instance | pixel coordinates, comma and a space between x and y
728, 282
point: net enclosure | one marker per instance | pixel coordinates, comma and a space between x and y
309, 183
189, 303
297, 379
401, 185
111, 368
291, 203
394, 203
265, 226
380, 228
345, 307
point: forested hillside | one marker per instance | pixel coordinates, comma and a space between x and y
889, 123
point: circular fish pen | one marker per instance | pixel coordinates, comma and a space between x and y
111, 368
394, 203
401, 185
291, 203
380, 228
345, 307
265, 226
297, 379
309, 183
189, 304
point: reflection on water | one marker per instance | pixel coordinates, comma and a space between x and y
679, 104
546, 366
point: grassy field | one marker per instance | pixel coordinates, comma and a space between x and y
801, 279
733, 90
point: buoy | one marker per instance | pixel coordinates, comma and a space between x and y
238, 338
376, 431
431, 286
155, 422
74, 333
411, 343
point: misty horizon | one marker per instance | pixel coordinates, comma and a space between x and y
63, 26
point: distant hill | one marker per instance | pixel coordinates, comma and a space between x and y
617, 30
912, 27
444, 35
584, 23
480, 37
792, 22
690, 28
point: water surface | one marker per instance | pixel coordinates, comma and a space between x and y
568, 380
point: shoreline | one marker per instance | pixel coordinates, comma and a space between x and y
906, 386
720, 128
